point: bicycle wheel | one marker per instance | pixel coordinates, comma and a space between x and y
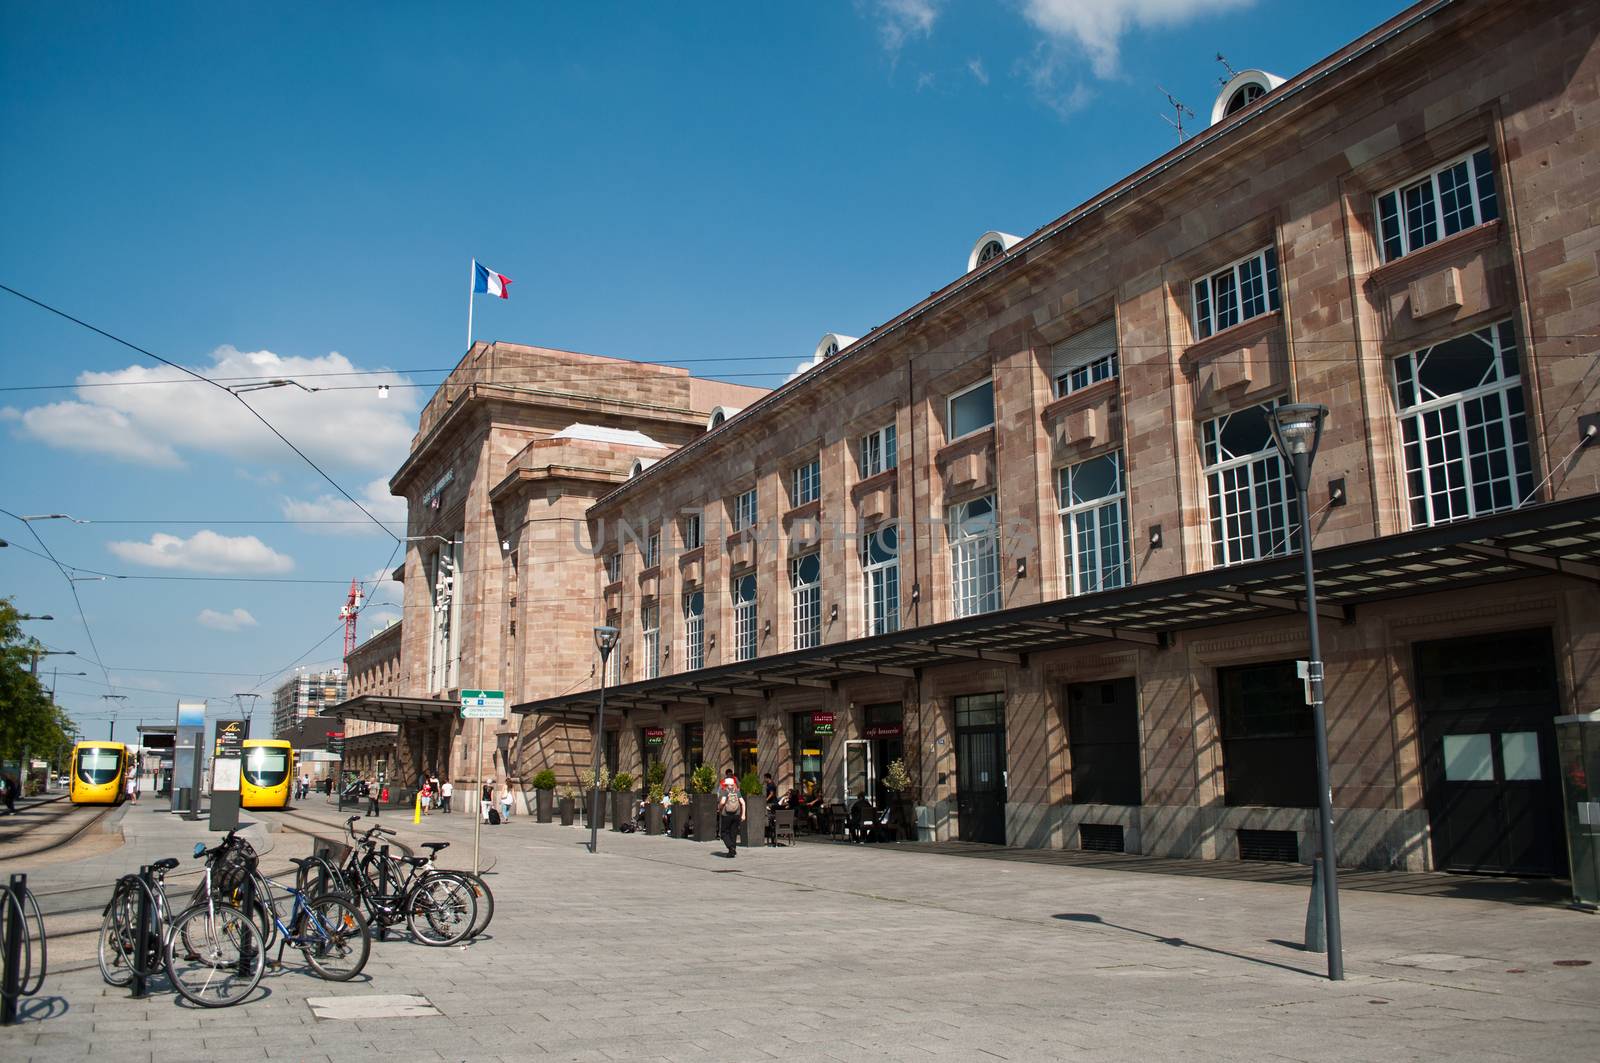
119, 938
337, 941
481, 894
440, 910
215, 956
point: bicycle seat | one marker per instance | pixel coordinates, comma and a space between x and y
434, 847
165, 865
416, 861
301, 861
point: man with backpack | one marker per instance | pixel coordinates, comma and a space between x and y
730, 807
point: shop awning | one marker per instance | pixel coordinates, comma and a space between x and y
384, 709
1557, 538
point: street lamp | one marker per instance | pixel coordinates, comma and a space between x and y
54, 516
29, 616
1297, 429
605, 640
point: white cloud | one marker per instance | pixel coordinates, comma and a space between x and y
976, 69
1096, 27
900, 20
237, 620
375, 497
159, 416
266, 478
205, 551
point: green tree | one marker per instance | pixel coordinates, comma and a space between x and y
29, 722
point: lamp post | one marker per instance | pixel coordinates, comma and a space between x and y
605, 640
1297, 430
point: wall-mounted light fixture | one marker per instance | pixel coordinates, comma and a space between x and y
1155, 536
833, 612
766, 627
1336, 493
383, 391
1022, 568
916, 593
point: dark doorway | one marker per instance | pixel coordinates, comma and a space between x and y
694, 750
884, 726
1489, 767
742, 742
613, 751
981, 768
1103, 735
1268, 753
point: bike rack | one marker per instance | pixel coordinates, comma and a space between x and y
18, 958
144, 932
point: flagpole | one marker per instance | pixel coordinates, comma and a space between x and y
472, 282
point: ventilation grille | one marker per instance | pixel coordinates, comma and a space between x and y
1100, 837
1279, 846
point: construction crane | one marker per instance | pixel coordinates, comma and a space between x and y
349, 612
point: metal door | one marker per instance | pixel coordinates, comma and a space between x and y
859, 775
981, 768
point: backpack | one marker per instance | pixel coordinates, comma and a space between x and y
494, 816
733, 803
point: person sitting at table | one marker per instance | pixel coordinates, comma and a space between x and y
860, 818
811, 807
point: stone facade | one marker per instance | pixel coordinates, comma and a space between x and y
373, 667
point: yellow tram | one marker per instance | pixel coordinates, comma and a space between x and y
99, 773
267, 773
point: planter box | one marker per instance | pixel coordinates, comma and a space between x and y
754, 831
568, 809
705, 817
679, 822
544, 805
622, 806
654, 823
589, 806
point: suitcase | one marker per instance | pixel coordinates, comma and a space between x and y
494, 817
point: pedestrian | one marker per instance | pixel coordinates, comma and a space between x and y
505, 803
731, 807
770, 790
369, 790
446, 791
133, 787
425, 796
8, 794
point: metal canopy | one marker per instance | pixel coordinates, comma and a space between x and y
1557, 538
381, 709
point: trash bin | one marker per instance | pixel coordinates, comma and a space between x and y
1578, 747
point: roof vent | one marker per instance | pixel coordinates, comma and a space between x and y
830, 345
990, 245
720, 414
1241, 90
640, 465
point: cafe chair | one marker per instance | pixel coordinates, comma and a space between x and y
783, 827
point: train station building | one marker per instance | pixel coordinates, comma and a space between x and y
1032, 536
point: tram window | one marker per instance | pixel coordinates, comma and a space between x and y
99, 766
267, 767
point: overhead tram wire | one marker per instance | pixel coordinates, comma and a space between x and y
221, 387
83, 617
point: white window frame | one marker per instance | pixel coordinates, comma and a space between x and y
878, 451
613, 567
950, 409
806, 603
1480, 169
1428, 425
1236, 479
693, 528
614, 662
974, 560
650, 549
805, 482
745, 509
649, 640
1096, 528
1081, 364
881, 583
744, 619
1203, 292
694, 630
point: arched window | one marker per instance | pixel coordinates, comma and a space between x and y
1248, 93
991, 250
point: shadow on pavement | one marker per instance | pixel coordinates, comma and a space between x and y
1181, 943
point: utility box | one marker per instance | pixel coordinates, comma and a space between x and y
1578, 748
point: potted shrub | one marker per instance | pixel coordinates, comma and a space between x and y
897, 780
653, 823
622, 799
544, 802
680, 813
586, 793
755, 810
704, 784
567, 804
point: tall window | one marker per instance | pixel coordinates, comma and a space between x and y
1085, 359
613, 563
744, 510
1253, 512
974, 556
880, 563
649, 641
805, 483
1454, 197
694, 536
805, 580
694, 630
1463, 425
1094, 523
1238, 292
614, 662
970, 410
744, 617
650, 553
878, 451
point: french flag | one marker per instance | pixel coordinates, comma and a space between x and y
487, 280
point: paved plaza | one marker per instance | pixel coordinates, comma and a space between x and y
660, 949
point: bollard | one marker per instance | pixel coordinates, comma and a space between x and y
11, 983
141, 937
1316, 930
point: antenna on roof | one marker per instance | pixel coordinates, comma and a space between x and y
1179, 112
1232, 73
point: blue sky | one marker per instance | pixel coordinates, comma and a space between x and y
295, 190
